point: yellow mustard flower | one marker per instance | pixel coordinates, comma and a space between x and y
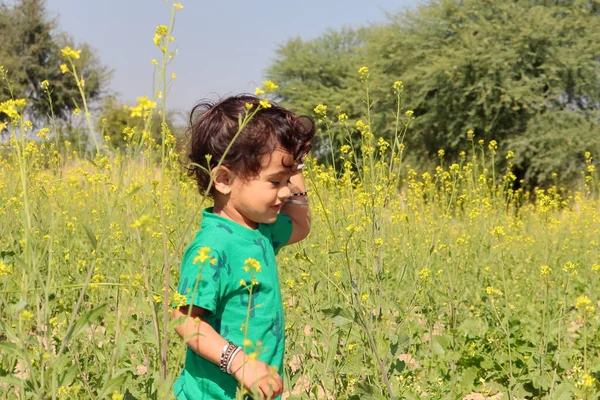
68, 52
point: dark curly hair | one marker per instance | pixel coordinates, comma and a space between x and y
214, 125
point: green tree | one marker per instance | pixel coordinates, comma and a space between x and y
117, 120
510, 71
30, 52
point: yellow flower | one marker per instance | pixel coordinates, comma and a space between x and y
5, 270
409, 113
582, 301
470, 134
269, 86
398, 85
570, 267
178, 6
145, 105
264, 104
258, 91
441, 153
117, 396
424, 273
45, 84
76, 111
242, 282
493, 292
173, 75
498, 231
364, 73
154, 62
68, 52
202, 255
320, 109
161, 30
345, 149
26, 315
63, 68
255, 264
545, 270
178, 300
588, 380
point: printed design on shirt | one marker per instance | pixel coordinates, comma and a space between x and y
224, 227
260, 243
277, 327
246, 297
224, 330
220, 265
183, 286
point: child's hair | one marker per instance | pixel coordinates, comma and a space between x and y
214, 125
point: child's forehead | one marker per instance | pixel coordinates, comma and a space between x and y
278, 162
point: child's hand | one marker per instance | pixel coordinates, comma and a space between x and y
257, 376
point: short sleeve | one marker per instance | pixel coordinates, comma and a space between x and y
200, 280
279, 231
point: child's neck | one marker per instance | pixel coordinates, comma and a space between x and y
232, 214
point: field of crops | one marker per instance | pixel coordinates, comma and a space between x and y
441, 284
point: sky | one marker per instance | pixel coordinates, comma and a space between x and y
224, 47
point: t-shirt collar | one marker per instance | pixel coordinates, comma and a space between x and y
209, 218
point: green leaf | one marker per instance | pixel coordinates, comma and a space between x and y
338, 316
85, 321
440, 344
8, 347
111, 385
11, 380
562, 392
91, 236
468, 377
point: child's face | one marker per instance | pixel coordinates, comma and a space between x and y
259, 199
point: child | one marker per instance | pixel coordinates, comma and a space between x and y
233, 317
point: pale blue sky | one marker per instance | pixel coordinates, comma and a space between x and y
224, 46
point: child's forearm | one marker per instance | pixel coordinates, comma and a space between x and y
297, 209
207, 343
200, 336
203, 339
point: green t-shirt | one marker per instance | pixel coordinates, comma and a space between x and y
214, 284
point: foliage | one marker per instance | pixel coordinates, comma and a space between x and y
30, 52
506, 70
117, 120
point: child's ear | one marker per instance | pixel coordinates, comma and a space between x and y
223, 179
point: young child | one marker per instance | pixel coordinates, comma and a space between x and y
233, 317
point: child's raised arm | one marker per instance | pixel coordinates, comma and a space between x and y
296, 207
207, 343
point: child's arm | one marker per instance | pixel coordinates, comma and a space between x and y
207, 343
299, 213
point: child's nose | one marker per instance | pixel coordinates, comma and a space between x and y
284, 192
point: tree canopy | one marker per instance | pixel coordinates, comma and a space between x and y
525, 73
30, 52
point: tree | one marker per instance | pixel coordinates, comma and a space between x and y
509, 71
116, 119
30, 52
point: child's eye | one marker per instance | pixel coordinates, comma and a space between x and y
276, 183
